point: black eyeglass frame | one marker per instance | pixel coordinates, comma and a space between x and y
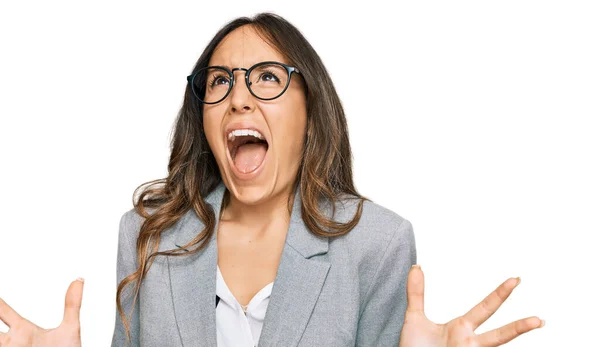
288, 68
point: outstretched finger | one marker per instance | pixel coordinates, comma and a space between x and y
486, 308
73, 300
508, 332
415, 289
8, 315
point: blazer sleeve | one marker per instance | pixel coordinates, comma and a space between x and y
382, 316
126, 265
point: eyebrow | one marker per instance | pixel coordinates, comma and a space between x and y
228, 67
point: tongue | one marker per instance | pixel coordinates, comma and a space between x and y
249, 156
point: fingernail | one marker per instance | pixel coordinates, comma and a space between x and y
80, 279
416, 266
543, 323
518, 281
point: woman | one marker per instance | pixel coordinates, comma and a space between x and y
257, 233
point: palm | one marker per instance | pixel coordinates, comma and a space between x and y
24, 333
459, 332
62, 336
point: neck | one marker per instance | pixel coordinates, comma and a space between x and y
258, 216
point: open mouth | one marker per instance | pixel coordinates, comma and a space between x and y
247, 148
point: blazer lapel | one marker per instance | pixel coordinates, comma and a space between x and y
193, 279
298, 283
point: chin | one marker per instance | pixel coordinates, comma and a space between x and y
256, 192
250, 194
254, 187
252, 191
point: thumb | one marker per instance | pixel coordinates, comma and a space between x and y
73, 302
415, 289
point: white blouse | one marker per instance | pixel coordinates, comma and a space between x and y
234, 327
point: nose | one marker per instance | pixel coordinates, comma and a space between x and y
241, 99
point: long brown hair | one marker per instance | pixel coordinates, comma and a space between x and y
325, 171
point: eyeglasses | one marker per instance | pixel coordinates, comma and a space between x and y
267, 80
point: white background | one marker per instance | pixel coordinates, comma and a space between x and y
475, 120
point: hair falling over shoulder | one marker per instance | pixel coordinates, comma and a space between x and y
324, 173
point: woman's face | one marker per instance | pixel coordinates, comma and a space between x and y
255, 172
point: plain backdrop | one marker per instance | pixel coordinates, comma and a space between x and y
475, 120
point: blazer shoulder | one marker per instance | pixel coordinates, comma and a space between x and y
377, 228
374, 217
380, 217
130, 224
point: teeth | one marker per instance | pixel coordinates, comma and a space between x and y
244, 132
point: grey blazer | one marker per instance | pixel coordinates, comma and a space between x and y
338, 292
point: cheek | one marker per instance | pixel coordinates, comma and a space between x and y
212, 131
290, 134
295, 130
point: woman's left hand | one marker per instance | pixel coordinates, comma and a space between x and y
418, 331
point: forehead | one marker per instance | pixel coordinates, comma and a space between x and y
244, 47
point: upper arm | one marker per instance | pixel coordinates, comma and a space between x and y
126, 265
383, 312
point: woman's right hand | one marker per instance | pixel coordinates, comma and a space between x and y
23, 333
